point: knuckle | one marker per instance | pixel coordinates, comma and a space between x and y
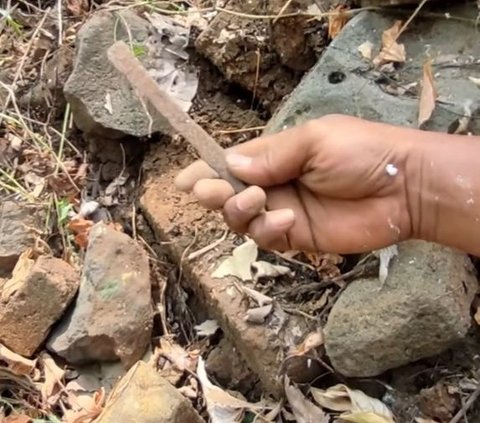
269, 164
311, 128
233, 217
324, 122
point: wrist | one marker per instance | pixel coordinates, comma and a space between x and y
422, 205
443, 189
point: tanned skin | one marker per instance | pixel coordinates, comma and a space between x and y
346, 185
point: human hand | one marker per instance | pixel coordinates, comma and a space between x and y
335, 184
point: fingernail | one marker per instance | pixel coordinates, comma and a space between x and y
282, 218
237, 160
249, 200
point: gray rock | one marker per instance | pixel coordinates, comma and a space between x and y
33, 300
145, 397
112, 317
95, 86
343, 82
18, 223
422, 309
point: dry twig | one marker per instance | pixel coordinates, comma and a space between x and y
463, 412
280, 13
410, 19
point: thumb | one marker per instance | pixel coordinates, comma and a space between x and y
273, 159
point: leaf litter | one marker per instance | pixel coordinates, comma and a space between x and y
366, 50
337, 21
239, 263
86, 404
207, 328
356, 406
428, 95
304, 410
258, 315
17, 363
391, 50
53, 379
385, 256
221, 406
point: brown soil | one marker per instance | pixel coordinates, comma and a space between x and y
267, 59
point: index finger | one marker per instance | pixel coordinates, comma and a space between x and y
189, 176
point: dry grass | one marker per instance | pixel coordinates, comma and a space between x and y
38, 162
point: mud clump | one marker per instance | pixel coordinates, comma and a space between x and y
265, 57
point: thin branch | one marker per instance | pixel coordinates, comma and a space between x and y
285, 7
463, 412
410, 19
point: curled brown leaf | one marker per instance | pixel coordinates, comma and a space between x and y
337, 21
391, 50
16, 363
428, 94
77, 7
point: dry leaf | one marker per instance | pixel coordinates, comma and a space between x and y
366, 50
335, 398
207, 328
366, 417
239, 263
336, 22
81, 228
272, 415
355, 403
428, 95
264, 269
476, 81
312, 341
391, 51
304, 410
463, 123
323, 300
258, 297
259, 314
422, 420
173, 76
221, 406
314, 11
178, 356
188, 391
77, 7
79, 225
477, 316
15, 142
17, 418
326, 264
19, 274
86, 408
385, 255
53, 377
15, 362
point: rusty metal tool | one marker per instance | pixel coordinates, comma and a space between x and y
208, 149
